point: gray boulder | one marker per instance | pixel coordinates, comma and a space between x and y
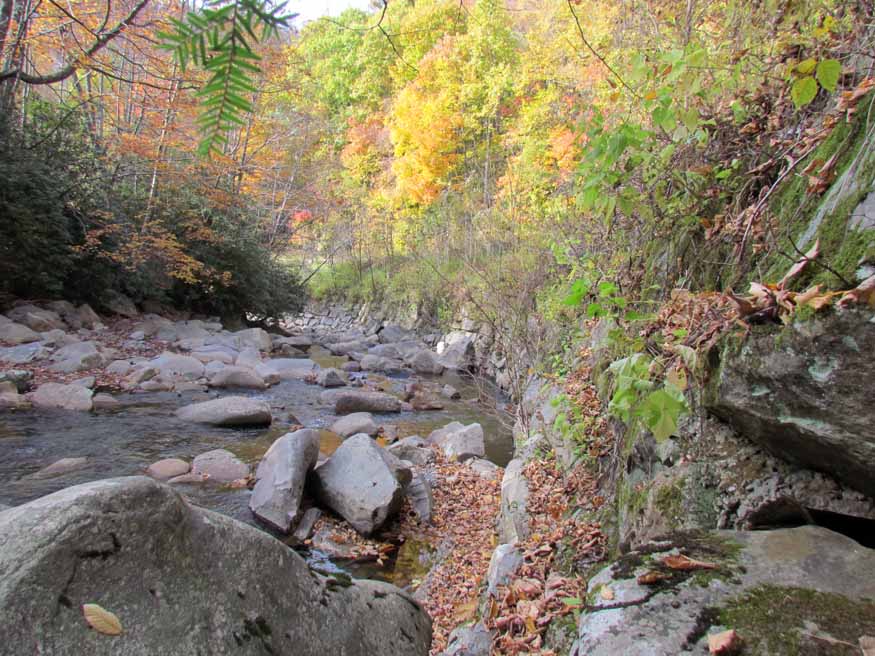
9, 396
16, 333
459, 442
418, 493
219, 466
280, 478
24, 353
456, 350
172, 367
504, 562
228, 411
88, 317
413, 449
393, 333
62, 466
469, 641
288, 368
168, 468
513, 516
182, 580
805, 393
426, 362
255, 337
36, 318
331, 378
354, 401
379, 363
64, 397
78, 356
357, 422
359, 485
237, 377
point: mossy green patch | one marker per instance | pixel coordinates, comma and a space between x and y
780, 621
669, 501
800, 214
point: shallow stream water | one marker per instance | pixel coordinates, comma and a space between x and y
144, 429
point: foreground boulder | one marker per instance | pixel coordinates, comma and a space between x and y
805, 393
228, 411
288, 368
16, 333
182, 580
280, 478
359, 484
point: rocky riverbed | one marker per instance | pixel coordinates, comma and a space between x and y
367, 452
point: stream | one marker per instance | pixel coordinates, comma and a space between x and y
144, 429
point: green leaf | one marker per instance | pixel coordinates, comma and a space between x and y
660, 411
828, 73
806, 66
579, 290
803, 91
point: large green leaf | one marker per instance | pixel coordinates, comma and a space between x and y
803, 91
828, 73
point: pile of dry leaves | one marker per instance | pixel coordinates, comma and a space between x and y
463, 528
542, 590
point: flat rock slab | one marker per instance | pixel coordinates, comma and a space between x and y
228, 411
182, 580
805, 570
288, 368
280, 477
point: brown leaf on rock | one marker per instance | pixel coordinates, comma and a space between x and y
101, 620
652, 577
800, 265
686, 564
607, 594
862, 294
725, 643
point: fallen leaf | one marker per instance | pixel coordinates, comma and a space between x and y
800, 264
683, 563
864, 294
652, 578
606, 593
726, 642
101, 620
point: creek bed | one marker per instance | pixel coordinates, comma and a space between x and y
144, 429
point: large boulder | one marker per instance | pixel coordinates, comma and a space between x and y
459, 442
456, 350
413, 449
805, 393
228, 411
181, 580
393, 333
16, 333
784, 592
359, 484
280, 478
357, 422
379, 363
63, 397
19, 377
